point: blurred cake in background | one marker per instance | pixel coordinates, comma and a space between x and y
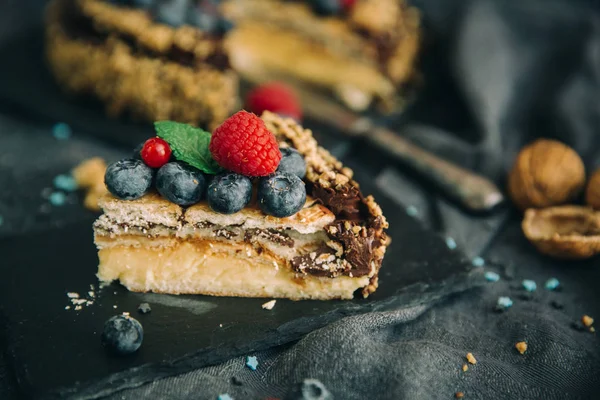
180, 59
363, 51
147, 59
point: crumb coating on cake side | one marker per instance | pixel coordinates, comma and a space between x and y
136, 66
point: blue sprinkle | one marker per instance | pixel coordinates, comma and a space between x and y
492, 276
552, 284
252, 363
529, 285
57, 198
504, 302
450, 243
61, 131
224, 396
65, 182
478, 262
412, 211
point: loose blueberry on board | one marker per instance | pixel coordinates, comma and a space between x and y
156, 152
180, 183
292, 162
326, 7
171, 12
281, 194
128, 179
122, 335
229, 192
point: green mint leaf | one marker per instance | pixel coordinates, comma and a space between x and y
188, 144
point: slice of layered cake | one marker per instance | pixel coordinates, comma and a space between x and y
364, 51
142, 61
170, 59
257, 209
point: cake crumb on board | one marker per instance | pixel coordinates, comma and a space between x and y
465, 367
587, 320
521, 347
269, 305
471, 358
89, 175
459, 395
144, 308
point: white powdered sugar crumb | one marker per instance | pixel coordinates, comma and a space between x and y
115, 306
269, 305
78, 301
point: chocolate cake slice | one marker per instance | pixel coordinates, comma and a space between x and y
136, 65
331, 248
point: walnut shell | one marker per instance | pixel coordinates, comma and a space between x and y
546, 173
568, 232
592, 193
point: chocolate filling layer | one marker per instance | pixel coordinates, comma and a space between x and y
80, 26
273, 235
359, 242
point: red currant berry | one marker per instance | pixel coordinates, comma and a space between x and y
156, 152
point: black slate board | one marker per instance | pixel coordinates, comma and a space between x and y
57, 353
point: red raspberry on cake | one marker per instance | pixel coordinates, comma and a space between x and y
243, 144
275, 97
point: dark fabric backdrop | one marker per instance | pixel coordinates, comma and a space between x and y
497, 74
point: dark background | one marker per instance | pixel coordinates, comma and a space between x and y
497, 74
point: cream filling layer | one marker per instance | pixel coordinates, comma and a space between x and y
214, 268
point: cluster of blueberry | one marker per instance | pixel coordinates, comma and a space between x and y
280, 194
203, 14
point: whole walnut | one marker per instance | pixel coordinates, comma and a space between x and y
546, 173
592, 193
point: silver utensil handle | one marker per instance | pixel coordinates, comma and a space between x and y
472, 191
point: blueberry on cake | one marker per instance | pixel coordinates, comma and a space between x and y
153, 60
255, 209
